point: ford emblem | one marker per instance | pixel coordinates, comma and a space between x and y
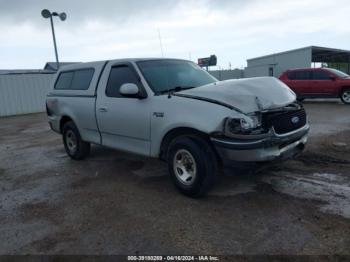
295, 120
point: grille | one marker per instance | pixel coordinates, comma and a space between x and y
284, 122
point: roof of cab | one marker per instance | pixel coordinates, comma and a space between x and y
120, 60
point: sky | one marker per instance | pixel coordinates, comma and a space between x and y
233, 30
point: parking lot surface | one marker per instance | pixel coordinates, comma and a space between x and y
118, 203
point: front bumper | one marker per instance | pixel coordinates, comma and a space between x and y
269, 147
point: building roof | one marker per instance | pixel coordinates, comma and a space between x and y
49, 68
24, 71
319, 54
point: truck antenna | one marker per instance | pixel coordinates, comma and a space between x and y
160, 43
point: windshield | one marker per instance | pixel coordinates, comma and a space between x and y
338, 73
173, 75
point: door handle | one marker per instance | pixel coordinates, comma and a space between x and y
103, 109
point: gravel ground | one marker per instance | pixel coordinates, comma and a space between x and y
118, 203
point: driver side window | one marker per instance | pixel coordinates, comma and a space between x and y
118, 76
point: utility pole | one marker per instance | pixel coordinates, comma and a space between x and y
47, 14
54, 42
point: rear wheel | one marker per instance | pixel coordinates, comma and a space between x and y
192, 165
345, 96
75, 147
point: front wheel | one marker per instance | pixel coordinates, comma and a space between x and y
75, 147
192, 165
345, 96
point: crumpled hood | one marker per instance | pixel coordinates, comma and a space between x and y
248, 95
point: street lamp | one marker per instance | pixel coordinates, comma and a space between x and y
47, 14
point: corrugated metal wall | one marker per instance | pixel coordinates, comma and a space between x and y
23, 93
227, 74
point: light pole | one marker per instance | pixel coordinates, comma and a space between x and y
47, 14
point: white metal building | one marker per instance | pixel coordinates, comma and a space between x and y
23, 92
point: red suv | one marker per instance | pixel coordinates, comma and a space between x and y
318, 83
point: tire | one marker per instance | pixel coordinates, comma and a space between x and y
76, 148
195, 179
345, 96
300, 99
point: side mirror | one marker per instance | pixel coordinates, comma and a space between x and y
131, 90
333, 78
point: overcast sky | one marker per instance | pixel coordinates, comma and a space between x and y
234, 30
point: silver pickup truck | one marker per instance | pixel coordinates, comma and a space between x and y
173, 110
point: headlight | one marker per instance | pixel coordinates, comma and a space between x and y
240, 126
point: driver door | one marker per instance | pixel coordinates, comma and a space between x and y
124, 122
323, 84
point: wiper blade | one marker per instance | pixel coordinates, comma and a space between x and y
176, 89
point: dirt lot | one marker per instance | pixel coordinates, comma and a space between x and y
116, 203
